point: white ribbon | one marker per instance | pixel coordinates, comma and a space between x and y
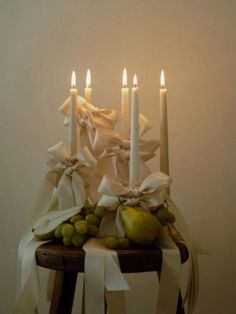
169, 276
71, 176
148, 194
180, 232
90, 118
116, 146
102, 273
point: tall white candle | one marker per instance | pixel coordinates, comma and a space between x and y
88, 89
164, 153
125, 114
73, 119
134, 136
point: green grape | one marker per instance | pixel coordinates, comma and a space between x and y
57, 232
76, 218
93, 230
112, 242
171, 218
67, 230
124, 243
99, 211
92, 219
81, 226
78, 240
67, 241
162, 214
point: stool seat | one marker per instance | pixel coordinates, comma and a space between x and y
68, 261
56, 256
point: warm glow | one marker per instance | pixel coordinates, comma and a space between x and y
162, 79
124, 79
73, 80
135, 80
88, 79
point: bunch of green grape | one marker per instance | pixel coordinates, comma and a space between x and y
80, 227
164, 215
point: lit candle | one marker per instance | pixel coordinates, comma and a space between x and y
134, 136
73, 120
164, 154
125, 116
88, 89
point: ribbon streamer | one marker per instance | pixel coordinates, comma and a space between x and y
102, 273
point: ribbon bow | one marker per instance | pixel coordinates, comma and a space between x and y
116, 146
149, 194
89, 119
70, 176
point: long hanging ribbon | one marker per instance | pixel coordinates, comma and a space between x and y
169, 276
102, 273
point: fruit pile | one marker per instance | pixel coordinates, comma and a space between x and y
141, 227
77, 229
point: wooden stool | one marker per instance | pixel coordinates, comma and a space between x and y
68, 261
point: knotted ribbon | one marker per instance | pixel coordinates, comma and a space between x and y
148, 194
71, 176
115, 146
89, 119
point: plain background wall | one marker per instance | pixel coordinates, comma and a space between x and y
194, 41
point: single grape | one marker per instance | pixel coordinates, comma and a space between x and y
93, 230
67, 230
124, 243
92, 219
76, 218
81, 226
171, 218
99, 211
111, 242
78, 240
67, 241
57, 232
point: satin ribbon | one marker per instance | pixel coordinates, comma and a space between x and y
180, 232
148, 194
170, 275
120, 148
102, 274
89, 119
71, 176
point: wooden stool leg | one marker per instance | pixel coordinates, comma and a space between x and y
180, 308
63, 292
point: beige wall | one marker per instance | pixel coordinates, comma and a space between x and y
194, 41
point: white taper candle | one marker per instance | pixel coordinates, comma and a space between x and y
73, 118
88, 89
134, 136
125, 110
164, 152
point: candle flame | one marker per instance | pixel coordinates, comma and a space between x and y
73, 80
135, 80
88, 78
162, 79
124, 79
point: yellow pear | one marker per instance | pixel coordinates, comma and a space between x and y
141, 227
